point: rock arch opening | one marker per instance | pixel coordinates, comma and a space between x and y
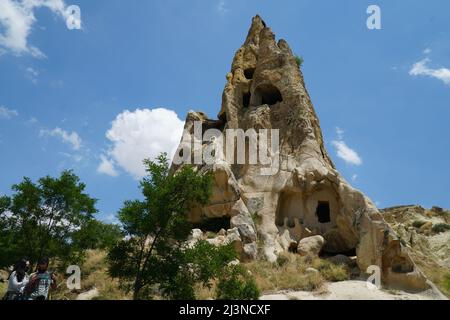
290, 206
401, 265
323, 212
267, 94
213, 224
249, 73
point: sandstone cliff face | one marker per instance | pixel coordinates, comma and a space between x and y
307, 196
426, 233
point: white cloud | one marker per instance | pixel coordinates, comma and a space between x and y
344, 151
354, 177
76, 158
112, 219
222, 7
6, 113
106, 166
70, 138
31, 74
421, 69
340, 133
32, 120
142, 134
16, 23
427, 51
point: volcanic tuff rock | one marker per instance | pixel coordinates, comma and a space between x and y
307, 196
430, 249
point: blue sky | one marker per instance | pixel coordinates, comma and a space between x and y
64, 93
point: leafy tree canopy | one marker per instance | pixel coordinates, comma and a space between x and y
40, 219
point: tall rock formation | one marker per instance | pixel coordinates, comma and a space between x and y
307, 196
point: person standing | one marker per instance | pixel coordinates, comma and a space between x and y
41, 282
18, 280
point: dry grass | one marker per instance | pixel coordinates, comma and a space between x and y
204, 293
94, 275
289, 273
3, 285
3, 288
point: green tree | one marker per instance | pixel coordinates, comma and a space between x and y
96, 234
154, 253
39, 219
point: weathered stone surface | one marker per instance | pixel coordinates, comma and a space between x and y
88, 295
426, 228
250, 251
233, 236
254, 204
195, 236
217, 241
307, 196
311, 245
244, 222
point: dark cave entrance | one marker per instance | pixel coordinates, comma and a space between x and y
323, 212
401, 265
248, 73
213, 224
213, 124
246, 99
349, 253
268, 94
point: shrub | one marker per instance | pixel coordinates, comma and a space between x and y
331, 271
441, 227
447, 282
257, 219
237, 284
283, 259
299, 61
418, 223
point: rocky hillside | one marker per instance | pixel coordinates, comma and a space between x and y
427, 234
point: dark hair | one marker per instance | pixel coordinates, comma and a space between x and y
20, 274
19, 268
43, 261
21, 264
